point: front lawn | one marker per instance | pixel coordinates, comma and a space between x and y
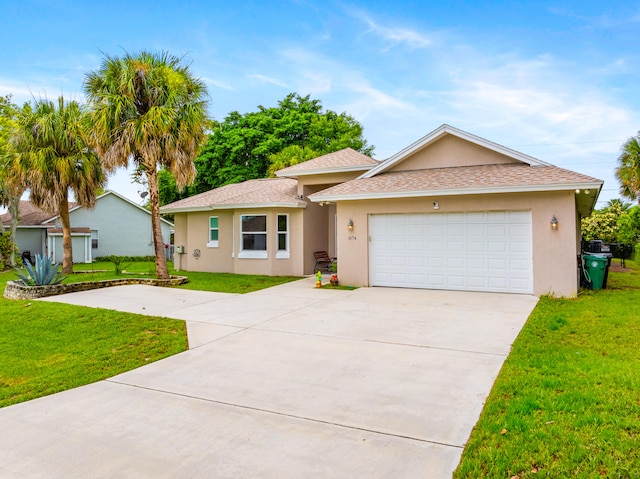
50, 347
567, 401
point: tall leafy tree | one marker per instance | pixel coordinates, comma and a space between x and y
11, 181
249, 146
148, 108
628, 170
54, 157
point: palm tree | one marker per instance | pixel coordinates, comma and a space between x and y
150, 109
54, 158
289, 156
628, 171
618, 203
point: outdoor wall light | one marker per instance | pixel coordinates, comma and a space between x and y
436, 205
554, 223
586, 192
350, 225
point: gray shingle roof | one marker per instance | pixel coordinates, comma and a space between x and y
262, 192
347, 158
485, 177
30, 215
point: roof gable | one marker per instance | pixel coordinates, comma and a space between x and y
447, 146
75, 207
339, 161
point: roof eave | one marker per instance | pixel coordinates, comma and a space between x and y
458, 191
323, 171
195, 209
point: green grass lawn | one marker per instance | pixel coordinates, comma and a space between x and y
567, 401
50, 347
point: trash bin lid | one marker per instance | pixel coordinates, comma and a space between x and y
595, 259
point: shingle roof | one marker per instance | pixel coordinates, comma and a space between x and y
502, 177
346, 159
30, 215
256, 193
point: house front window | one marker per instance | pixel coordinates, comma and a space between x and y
283, 237
213, 232
253, 236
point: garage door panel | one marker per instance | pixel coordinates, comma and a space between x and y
456, 247
480, 251
497, 230
476, 282
499, 247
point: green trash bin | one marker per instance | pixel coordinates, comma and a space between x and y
595, 268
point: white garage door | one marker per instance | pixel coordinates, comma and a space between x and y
485, 251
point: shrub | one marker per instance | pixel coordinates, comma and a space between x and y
117, 262
5, 249
45, 272
128, 259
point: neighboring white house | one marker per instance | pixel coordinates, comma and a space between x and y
115, 226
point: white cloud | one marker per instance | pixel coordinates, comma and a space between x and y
396, 36
393, 36
217, 83
270, 80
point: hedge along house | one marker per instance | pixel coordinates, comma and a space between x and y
451, 211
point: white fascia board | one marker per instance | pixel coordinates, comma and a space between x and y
52, 219
233, 207
439, 133
324, 171
72, 234
458, 191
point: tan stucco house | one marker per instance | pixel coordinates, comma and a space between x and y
451, 211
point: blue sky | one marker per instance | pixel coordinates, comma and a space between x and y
555, 80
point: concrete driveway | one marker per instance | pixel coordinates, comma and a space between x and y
286, 382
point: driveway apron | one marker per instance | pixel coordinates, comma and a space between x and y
291, 381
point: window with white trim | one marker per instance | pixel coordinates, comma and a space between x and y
283, 237
213, 232
253, 236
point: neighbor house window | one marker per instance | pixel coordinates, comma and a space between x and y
94, 239
253, 236
283, 237
213, 232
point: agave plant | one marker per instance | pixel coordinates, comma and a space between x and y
45, 272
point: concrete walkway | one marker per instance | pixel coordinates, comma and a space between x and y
286, 382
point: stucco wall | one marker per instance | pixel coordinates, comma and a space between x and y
192, 232
554, 252
451, 151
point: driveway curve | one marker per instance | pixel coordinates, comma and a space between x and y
290, 381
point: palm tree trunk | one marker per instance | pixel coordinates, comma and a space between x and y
161, 259
67, 260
